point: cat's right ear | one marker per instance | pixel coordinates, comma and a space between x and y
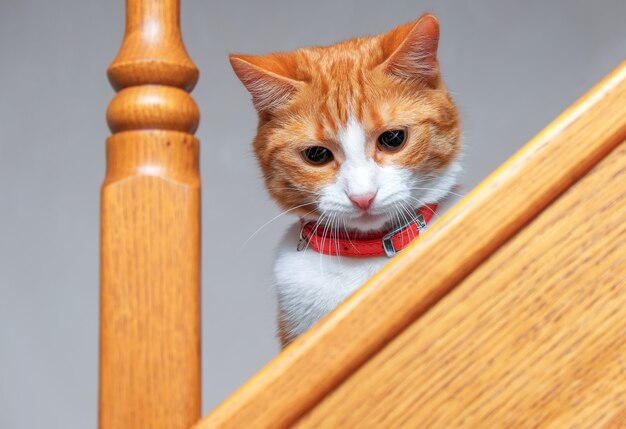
266, 79
411, 49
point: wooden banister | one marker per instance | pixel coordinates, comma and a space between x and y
150, 230
317, 364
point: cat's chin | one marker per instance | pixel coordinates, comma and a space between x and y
368, 222
363, 223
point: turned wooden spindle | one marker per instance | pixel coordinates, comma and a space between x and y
150, 230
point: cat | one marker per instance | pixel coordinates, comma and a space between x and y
357, 138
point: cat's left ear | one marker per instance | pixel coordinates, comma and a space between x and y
267, 78
411, 49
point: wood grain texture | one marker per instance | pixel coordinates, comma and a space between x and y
150, 230
533, 338
426, 271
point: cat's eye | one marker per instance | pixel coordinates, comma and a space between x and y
317, 155
391, 139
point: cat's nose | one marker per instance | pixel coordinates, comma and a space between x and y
363, 201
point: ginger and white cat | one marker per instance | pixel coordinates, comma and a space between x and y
355, 137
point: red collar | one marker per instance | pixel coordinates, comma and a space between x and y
365, 244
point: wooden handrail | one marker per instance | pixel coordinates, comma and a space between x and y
150, 230
417, 279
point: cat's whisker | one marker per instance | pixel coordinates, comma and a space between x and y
331, 231
399, 215
403, 209
423, 204
396, 222
330, 228
273, 219
407, 216
336, 234
316, 226
410, 215
396, 218
324, 231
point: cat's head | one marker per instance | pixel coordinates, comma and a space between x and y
359, 133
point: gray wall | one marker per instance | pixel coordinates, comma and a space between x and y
511, 65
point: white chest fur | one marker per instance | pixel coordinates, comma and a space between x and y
310, 284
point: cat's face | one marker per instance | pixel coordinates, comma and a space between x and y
360, 133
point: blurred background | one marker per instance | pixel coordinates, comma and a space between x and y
511, 66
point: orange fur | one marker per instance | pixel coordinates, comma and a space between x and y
284, 331
305, 97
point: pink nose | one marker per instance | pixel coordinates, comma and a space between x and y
364, 201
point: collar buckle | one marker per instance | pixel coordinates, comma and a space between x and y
303, 239
387, 240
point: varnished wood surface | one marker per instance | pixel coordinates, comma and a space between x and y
533, 338
150, 230
152, 51
319, 361
153, 107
